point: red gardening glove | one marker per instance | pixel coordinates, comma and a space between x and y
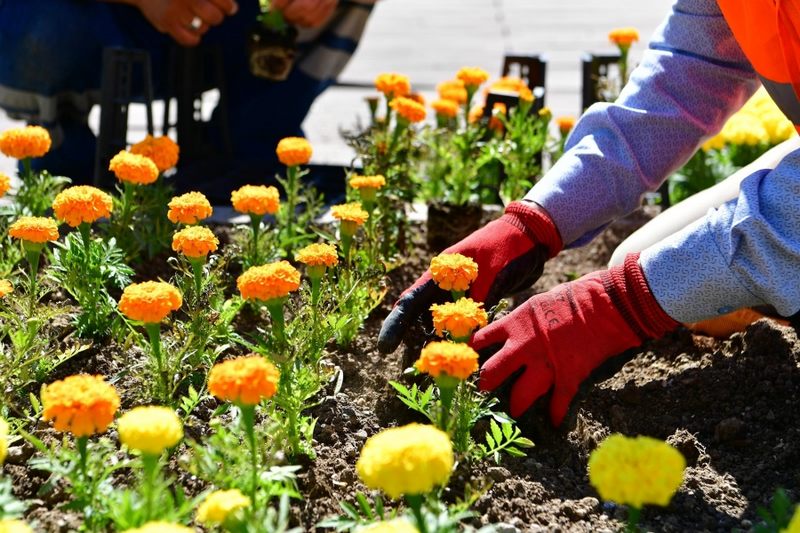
556, 339
510, 252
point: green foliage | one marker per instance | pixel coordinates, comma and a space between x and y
520, 149
777, 517
503, 438
10, 506
88, 276
703, 170
362, 513
37, 191
140, 224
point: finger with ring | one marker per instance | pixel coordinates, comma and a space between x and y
196, 23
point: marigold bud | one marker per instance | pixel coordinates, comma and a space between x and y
623, 37
150, 429
393, 85
565, 124
82, 405
244, 380
408, 109
412, 459
293, 151
636, 470
82, 204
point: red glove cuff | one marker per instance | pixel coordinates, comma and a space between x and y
536, 224
628, 289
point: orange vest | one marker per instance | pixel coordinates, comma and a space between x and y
767, 32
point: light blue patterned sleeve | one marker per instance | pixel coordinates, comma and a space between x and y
691, 79
744, 253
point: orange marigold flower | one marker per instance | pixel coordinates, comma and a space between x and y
472, 76
268, 282
34, 229
351, 212
408, 109
6, 288
453, 359
623, 37
453, 272
82, 204
459, 318
512, 84
149, 302
5, 184
475, 114
22, 143
245, 380
417, 97
195, 241
256, 200
393, 85
163, 151
319, 254
453, 90
367, 182
565, 123
82, 405
445, 108
293, 151
133, 168
189, 208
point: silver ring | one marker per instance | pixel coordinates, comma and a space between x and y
196, 23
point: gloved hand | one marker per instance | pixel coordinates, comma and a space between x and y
510, 252
556, 339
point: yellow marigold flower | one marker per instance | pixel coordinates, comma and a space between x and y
367, 182
445, 108
408, 109
459, 318
195, 241
398, 525
149, 302
34, 229
161, 527
82, 204
565, 124
623, 37
189, 208
412, 459
452, 359
22, 143
453, 90
6, 288
150, 429
293, 151
393, 85
133, 168
14, 526
256, 200
5, 184
82, 404
794, 523
453, 272
318, 255
472, 76
162, 151
512, 84
636, 470
3, 440
244, 380
351, 212
219, 504
268, 282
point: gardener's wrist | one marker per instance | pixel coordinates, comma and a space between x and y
536, 223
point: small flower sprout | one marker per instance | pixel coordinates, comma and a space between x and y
351, 216
256, 201
318, 258
636, 471
367, 187
454, 273
195, 243
459, 319
270, 284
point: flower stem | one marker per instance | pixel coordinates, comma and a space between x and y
446, 394
249, 423
255, 223
275, 308
149, 477
290, 406
457, 295
415, 502
197, 273
154, 333
127, 204
634, 513
291, 204
33, 263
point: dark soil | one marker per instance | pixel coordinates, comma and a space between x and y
728, 406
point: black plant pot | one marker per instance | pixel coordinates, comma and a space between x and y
449, 223
272, 53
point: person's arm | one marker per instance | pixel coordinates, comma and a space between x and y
174, 17
691, 79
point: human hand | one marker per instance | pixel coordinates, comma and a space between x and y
175, 17
305, 13
510, 253
556, 339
